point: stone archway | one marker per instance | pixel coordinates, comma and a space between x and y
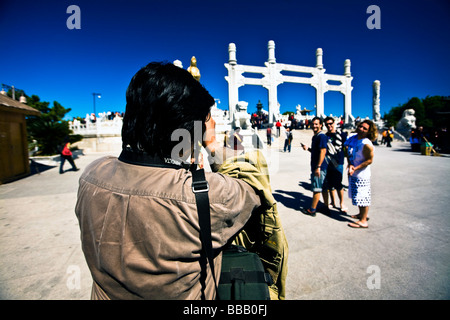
272, 77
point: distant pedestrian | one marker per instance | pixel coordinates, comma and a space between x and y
269, 136
335, 158
360, 151
278, 125
318, 151
389, 137
237, 139
226, 140
288, 140
66, 154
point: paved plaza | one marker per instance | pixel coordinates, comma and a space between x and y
403, 255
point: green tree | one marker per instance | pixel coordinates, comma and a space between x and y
49, 129
437, 110
393, 116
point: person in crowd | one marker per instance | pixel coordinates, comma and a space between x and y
318, 151
416, 138
360, 152
278, 126
335, 158
236, 140
288, 140
137, 213
269, 136
226, 139
389, 136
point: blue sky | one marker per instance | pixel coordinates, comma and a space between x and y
409, 54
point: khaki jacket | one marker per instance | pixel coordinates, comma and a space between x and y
140, 232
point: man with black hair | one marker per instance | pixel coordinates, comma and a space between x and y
335, 158
318, 151
137, 213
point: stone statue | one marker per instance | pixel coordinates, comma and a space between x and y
178, 63
407, 122
241, 119
376, 101
193, 69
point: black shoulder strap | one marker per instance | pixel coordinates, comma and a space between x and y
200, 187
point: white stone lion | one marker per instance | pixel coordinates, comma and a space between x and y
241, 118
408, 120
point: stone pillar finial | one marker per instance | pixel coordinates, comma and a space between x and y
232, 54
319, 61
347, 72
271, 49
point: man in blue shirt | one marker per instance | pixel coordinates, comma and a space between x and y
318, 151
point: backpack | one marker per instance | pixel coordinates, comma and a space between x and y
60, 148
242, 275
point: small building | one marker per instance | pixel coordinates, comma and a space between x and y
14, 161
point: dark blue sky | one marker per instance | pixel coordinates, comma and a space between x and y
409, 54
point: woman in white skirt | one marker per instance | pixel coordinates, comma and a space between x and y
359, 152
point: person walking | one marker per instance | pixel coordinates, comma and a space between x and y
66, 154
359, 151
318, 151
335, 158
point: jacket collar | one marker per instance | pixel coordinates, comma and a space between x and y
144, 159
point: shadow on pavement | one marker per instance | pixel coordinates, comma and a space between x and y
298, 201
36, 167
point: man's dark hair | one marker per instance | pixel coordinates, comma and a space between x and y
161, 98
328, 119
317, 118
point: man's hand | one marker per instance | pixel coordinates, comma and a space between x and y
351, 169
317, 172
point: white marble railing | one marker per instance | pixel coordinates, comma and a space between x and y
99, 128
103, 127
114, 127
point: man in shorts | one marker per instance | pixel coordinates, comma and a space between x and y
318, 151
335, 158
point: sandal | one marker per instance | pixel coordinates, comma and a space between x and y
358, 225
358, 217
309, 212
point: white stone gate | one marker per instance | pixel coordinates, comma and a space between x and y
273, 77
